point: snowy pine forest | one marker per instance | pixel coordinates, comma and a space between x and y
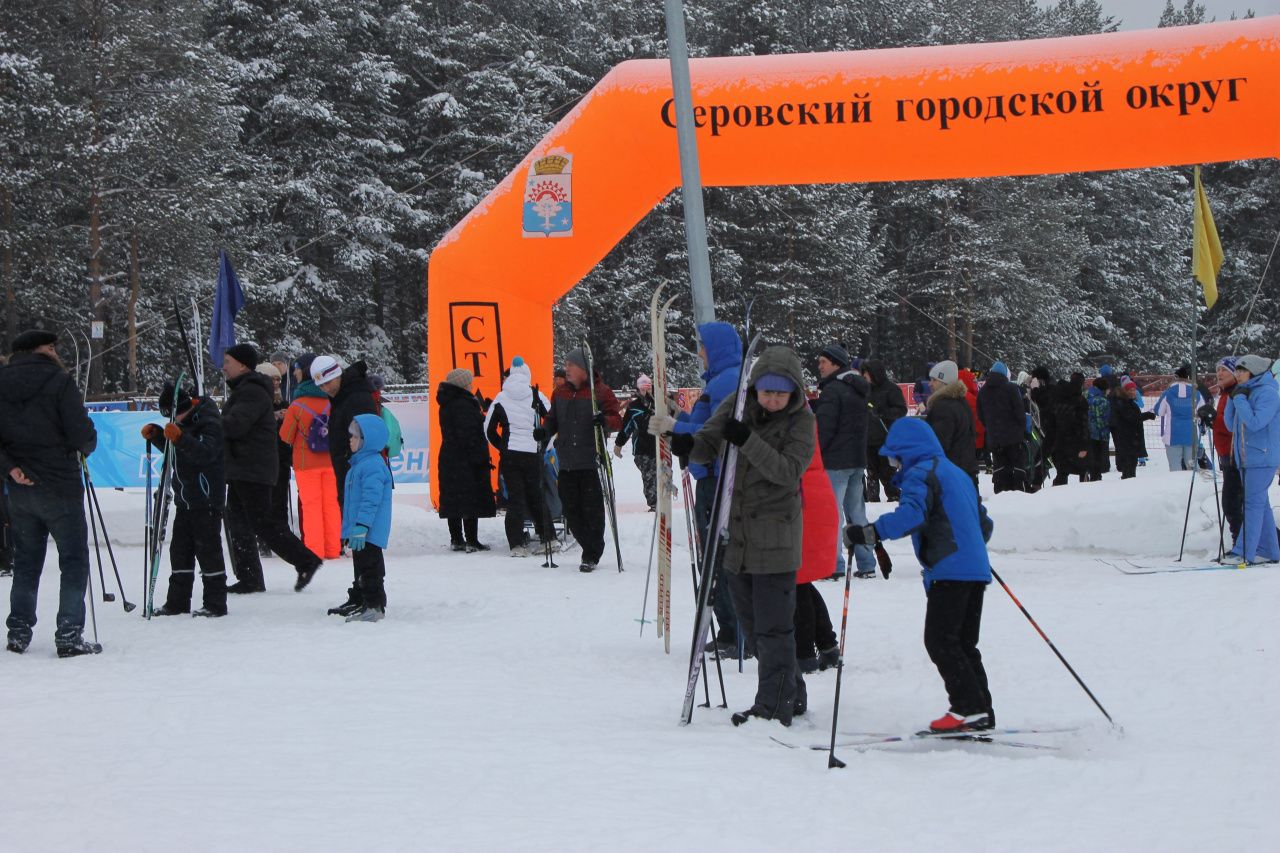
327, 145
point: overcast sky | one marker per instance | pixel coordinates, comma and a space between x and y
1145, 14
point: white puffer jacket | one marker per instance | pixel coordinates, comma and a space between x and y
513, 410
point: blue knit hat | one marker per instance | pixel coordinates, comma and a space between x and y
1229, 362
517, 362
1106, 370
775, 382
1000, 367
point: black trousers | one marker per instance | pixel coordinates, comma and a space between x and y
1232, 495
1099, 458
952, 622
6, 532
1126, 464
880, 472
766, 606
814, 631
370, 569
196, 537
249, 518
464, 529
1010, 474
521, 472
583, 501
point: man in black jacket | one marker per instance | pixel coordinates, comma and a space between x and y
1005, 418
841, 410
249, 439
887, 405
947, 412
352, 394
199, 496
1071, 430
635, 428
43, 433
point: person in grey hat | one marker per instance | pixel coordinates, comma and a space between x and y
841, 410
1253, 413
44, 432
947, 412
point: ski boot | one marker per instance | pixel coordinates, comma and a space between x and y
168, 609
209, 612
77, 648
354, 602
305, 575
953, 722
586, 566
473, 547
367, 614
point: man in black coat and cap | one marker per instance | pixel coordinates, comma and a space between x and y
841, 410
1003, 414
249, 434
44, 432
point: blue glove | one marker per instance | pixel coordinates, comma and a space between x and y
358, 538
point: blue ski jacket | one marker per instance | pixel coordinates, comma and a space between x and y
1253, 414
720, 380
939, 508
366, 498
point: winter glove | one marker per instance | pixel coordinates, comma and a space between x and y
358, 538
172, 432
1240, 391
882, 560
736, 432
661, 424
539, 434
1207, 414
152, 432
860, 534
681, 443
1148, 416
598, 419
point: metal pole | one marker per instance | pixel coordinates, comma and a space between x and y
695, 221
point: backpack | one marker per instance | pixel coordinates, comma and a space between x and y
395, 438
318, 432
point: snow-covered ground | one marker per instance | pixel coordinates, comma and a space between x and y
506, 706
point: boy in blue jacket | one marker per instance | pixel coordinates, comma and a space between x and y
949, 529
366, 513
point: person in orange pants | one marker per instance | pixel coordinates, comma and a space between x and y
305, 428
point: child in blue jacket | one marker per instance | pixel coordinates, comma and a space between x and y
949, 528
366, 513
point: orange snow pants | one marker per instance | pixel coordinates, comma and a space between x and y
321, 515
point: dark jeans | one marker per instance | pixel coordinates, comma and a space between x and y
814, 632
583, 501
197, 536
953, 619
1099, 458
464, 529
249, 518
370, 571
721, 597
6, 531
1010, 474
522, 474
1232, 495
766, 606
36, 514
880, 471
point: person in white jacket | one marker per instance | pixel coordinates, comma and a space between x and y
513, 416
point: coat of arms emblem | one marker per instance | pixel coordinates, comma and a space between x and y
548, 197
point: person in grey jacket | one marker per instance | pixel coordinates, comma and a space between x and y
776, 439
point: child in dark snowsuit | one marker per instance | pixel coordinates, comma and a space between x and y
1126, 422
199, 496
949, 528
366, 513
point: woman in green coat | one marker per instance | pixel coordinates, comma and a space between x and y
776, 441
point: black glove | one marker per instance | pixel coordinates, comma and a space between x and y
681, 443
882, 559
860, 534
539, 434
598, 419
1148, 416
1207, 413
1239, 391
736, 432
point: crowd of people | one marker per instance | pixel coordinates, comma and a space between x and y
841, 444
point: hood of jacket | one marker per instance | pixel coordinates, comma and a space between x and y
449, 393
518, 386
356, 376
307, 388
877, 370
723, 346
1094, 392
375, 436
912, 440
779, 359
26, 375
1262, 380
951, 391
253, 377
969, 381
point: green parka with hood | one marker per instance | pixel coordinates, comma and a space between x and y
765, 527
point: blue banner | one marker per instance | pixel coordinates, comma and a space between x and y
121, 458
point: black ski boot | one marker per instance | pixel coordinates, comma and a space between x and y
354, 602
17, 645
77, 648
306, 574
457, 545
586, 566
473, 547
210, 612
244, 587
168, 609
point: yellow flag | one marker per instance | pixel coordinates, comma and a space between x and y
1206, 250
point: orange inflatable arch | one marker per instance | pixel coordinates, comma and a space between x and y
1174, 96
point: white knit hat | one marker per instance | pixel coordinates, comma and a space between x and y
945, 372
325, 369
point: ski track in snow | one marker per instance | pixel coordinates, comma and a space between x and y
504, 706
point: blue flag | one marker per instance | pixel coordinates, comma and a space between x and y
227, 302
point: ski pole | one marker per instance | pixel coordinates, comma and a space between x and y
1045, 637
97, 548
695, 569
106, 538
146, 527
93, 612
832, 761
653, 539
1186, 518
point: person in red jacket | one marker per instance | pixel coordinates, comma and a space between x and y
1211, 416
816, 646
979, 429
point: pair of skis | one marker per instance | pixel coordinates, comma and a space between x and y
992, 736
1129, 567
159, 521
662, 459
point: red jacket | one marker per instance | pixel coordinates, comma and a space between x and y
821, 523
1221, 433
971, 396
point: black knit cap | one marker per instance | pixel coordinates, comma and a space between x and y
29, 340
167, 398
245, 354
836, 354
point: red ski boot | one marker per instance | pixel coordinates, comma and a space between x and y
953, 722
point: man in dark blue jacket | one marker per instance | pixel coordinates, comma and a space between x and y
949, 528
43, 433
1002, 412
841, 410
721, 354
